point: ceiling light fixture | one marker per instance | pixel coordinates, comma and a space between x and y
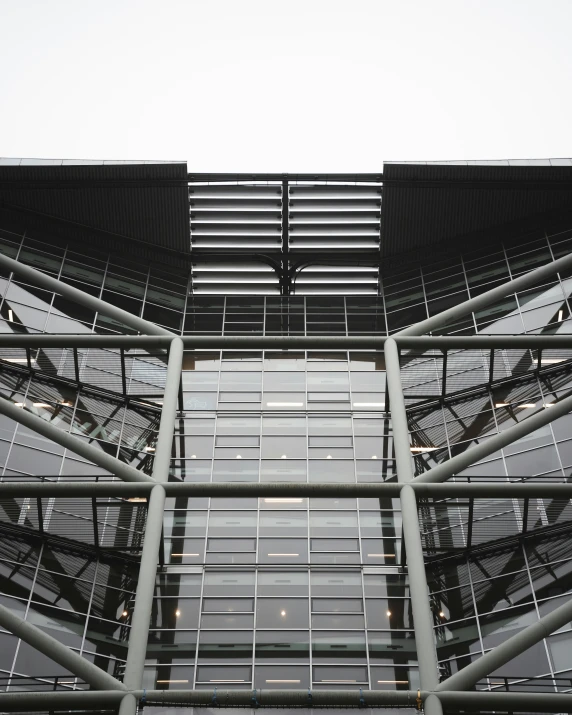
423, 449
283, 554
184, 554
285, 404
380, 556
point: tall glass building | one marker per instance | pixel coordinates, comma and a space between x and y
292, 591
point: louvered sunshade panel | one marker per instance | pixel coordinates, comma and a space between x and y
234, 278
285, 236
331, 280
236, 217
336, 216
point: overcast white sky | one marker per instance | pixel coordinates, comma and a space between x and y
297, 85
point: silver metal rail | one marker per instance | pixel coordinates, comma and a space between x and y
384, 490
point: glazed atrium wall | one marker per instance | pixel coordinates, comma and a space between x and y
285, 592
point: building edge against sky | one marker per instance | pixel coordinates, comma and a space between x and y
285, 590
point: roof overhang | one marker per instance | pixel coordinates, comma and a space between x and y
139, 202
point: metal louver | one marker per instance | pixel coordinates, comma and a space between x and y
285, 237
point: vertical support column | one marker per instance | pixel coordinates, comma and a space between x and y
431, 706
128, 705
149, 558
422, 616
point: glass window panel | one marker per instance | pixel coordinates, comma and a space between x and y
228, 605
283, 470
241, 583
283, 551
283, 583
343, 646
282, 677
224, 674
284, 381
334, 523
230, 645
283, 425
175, 613
277, 523
330, 425
343, 584
283, 447
281, 613
232, 523
334, 470
283, 645
225, 620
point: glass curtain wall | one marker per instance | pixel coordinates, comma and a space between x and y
279, 593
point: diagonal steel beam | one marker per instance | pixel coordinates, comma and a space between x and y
447, 469
471, 674
485, 299
45, 281
153, 530
422, 616
64, 656
97, 456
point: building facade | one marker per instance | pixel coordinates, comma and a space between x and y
285, 592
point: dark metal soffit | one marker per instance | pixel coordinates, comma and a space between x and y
146, 202
426, 205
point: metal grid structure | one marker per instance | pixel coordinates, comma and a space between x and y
427, 491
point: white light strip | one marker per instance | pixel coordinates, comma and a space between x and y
172, 681
283, 554
369, 404
10, 315
527, 405
282, 681
423, 449
184, 554
228, 680
285, 404
284, 500
382, 555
